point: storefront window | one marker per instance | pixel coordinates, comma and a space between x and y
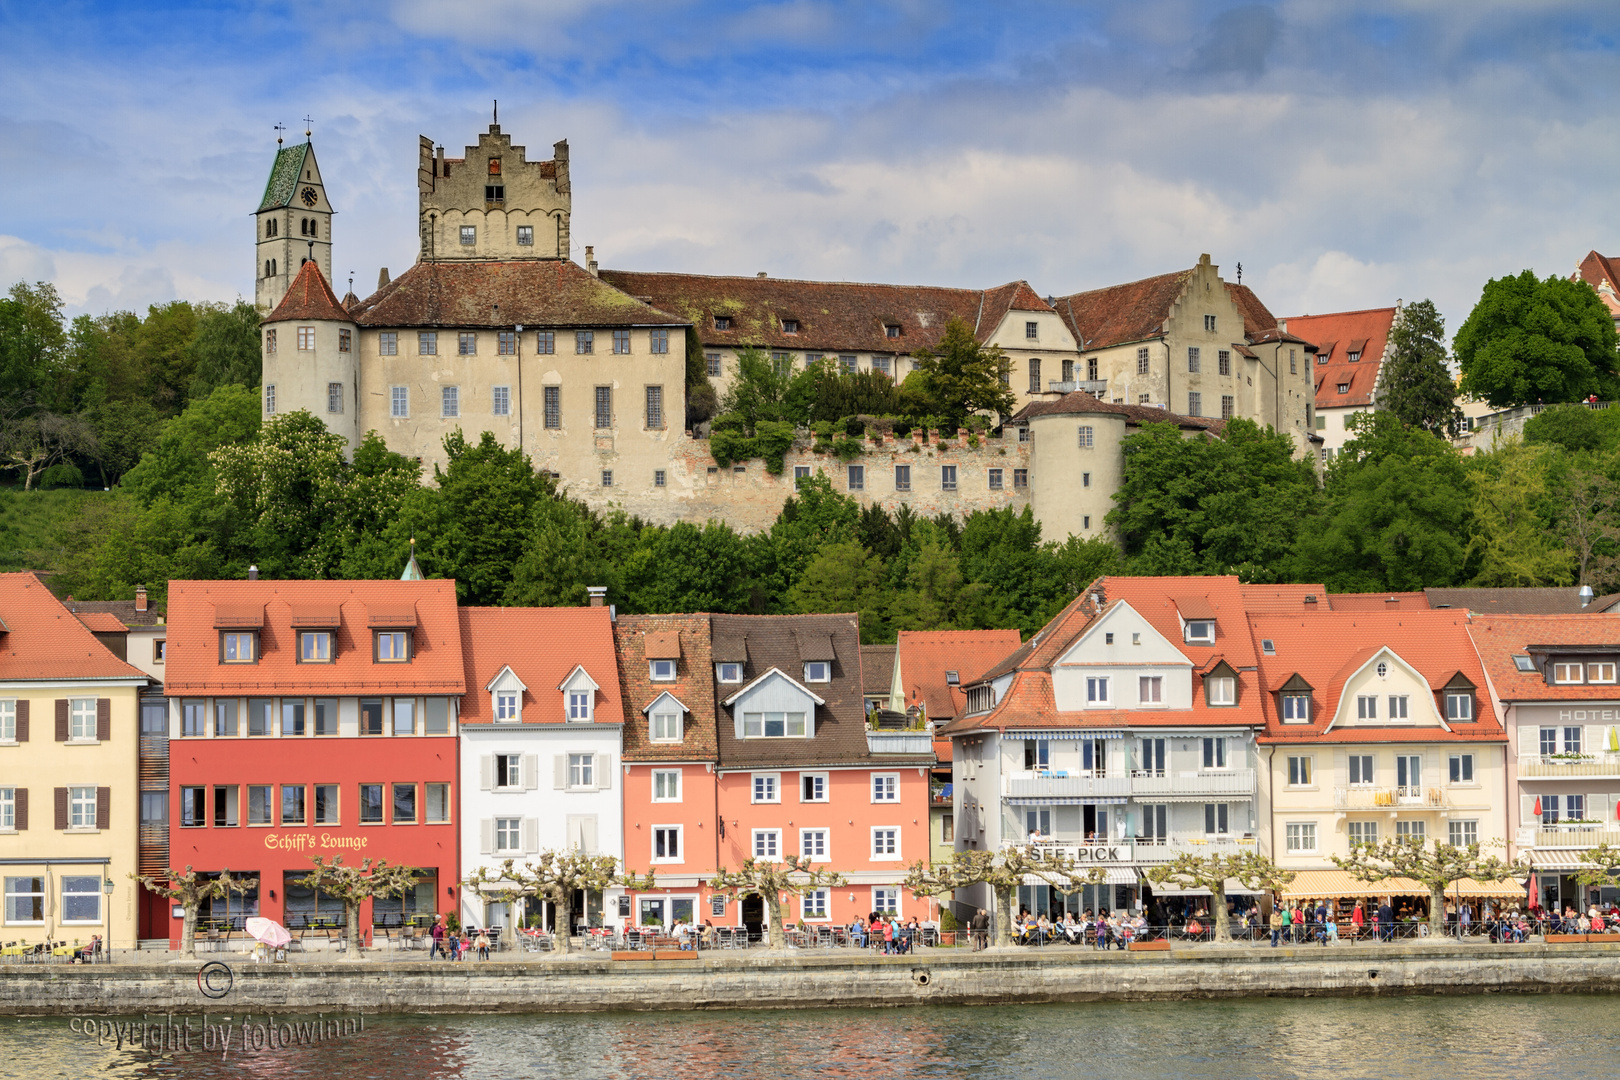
81, 898
25, 900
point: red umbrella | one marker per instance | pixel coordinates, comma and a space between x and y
1533, 891
1537, 810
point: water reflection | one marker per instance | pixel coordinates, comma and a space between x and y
1482, 1038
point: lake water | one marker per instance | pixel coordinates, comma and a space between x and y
1479, 1038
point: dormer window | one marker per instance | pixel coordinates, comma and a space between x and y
817, 671
1201, 632
1222, 689
1525, 664
953, 678
393, 646
1459, 706
1600, 673
773, 725
579, 704
790, 326
579, 696
315, 647
1296, 708
891, 330
665, 726
1568, 673
728, 673
239, 647
722, 322
506, 705
662, 670
1268, 646
979, 700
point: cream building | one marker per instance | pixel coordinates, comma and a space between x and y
69, 784
293, 224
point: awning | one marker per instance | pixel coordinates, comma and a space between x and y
398, 616
1070, 734
319, 616
1563, 862
1313, 884
1117, 875
1233, 888
238, 616
1066, 800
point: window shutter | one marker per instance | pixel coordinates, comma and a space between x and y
531, 771
559, 768
1592, 742
22, 720
103, 806
1527, 812
20, 808
61, 719
604, 772
1602, 808
486, 772
486, 837
1529, 740
103, 719
531, 835
61, 809
587, 834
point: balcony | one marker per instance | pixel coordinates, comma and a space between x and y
1553, 766
1404, 797
1059, 785
1097, 388
1148, 849
1147, 784
1579, 836
899, 742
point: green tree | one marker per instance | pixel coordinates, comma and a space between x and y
1437, 868
842, 577
162, 348
475, 530
179, 464
1396, 516
815, 516
224, 348
561, 559
287, 488
32, 340
1512, 543
1574, 428
1414, 382
769, 881
1528, 341
687, 568
1208, 505
1253, 871
959, 376
757, 389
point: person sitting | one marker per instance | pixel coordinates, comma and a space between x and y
87, 954
483, 944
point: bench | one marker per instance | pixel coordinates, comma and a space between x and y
1161, 945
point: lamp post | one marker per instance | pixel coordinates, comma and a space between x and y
107, 891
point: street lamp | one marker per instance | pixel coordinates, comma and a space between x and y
107, 890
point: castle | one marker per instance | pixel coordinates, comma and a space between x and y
496, 328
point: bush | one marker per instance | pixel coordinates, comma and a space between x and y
947, 920
64, 475
847, 449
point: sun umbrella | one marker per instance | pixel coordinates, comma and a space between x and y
267, 931
1614, 740
1537, 810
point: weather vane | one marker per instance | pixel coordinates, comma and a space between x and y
1240, 273
307, 123
279, 129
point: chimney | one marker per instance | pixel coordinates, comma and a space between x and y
253, 573
598, 594
1310, 598
382, 277
1586, 595
140, 598
590, 259
761, 274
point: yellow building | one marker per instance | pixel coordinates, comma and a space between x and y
69, 784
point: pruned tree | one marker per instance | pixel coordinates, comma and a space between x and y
1003, 871
1436, 868
554, 876
1603, 867
1250, 869
189, 888
769, 880
351, 885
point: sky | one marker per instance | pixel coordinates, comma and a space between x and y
1346, 154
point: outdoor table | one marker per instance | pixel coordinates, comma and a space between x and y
65, 950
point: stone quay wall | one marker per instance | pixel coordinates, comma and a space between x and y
591, 984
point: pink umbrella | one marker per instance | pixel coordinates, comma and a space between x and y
267, 931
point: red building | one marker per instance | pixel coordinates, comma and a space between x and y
314, 718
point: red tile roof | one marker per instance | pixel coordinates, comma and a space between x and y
1338, 332
832, 316
41, 639
1284, 598
536, 292
1600, 270
1259, 324
1500, 638
925, 657
1136, 310
1325, 649
193, 658
542, 646
693, 686
309, 297
101, 622
1380, 601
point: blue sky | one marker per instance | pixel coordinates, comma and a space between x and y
1346, 154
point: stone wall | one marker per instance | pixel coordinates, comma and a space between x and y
834, 979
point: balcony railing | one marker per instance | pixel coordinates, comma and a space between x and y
899, 742
1147, 784
1058, 784
1553, 765
1581, 835
1146, 849
1410, 796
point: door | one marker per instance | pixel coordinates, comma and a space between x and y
752, 912
496, 915
1155, 824
1409, 775
1152, 757
1039, 822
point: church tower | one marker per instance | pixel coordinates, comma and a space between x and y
294, 223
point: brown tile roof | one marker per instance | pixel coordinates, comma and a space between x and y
1334, 335
1134, 311
1258, 321
1527, 601
41, 639
193, 661
122, 610
536, 292
877, 669
1596, 270
693, 686
1080, 402
840, 737
925, 657
1398, 601
542, 646
1325, 649
833, 316
1500, 638
309, 297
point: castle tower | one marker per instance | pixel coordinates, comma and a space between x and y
492, 202
294, 223
311, 350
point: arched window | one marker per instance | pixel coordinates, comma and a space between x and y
272, 268
267, 268
303, 226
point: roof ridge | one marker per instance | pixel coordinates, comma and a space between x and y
797, 281
1338, 314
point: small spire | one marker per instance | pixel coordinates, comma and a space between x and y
308, 125
413, 569
279, 129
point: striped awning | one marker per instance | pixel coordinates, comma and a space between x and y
1234, 887
1560, 861
1117, 875
1066, 800
1068, 734
1314, 884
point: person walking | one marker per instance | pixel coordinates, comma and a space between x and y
1386, 921
979, 930
1358, 920
1277, 924
437, 933
1298, 919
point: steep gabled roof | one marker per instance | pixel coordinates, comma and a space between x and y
926, 656
1500, 638
1259, 323
540, 293
308, 298
542, 646
1599, 271
40, 639
832, 316
1335, 334
1134, 311
693, 686
282, 183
